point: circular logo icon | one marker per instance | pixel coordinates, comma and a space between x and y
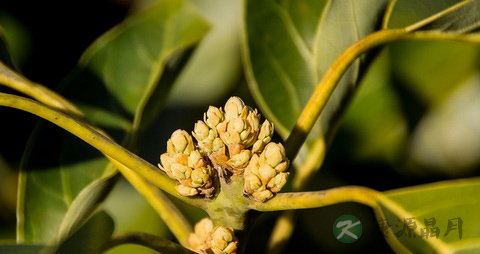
347, 228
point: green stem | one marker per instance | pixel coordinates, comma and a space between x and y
315, 199
13, 80
105, 145
327, 85
147, 240
169, 213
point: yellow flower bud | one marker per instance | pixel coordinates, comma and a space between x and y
262, 196
180, 172
239, 161
252, 183
265, 174
264, 137
180, 142
213, 117
233, 108
185, 190
276, 184
223, 240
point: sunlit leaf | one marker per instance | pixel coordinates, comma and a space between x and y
140, 219
453, 202
215, 66
114, 82
448, 15
288, 54
408, 12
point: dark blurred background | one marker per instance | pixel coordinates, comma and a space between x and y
381, 143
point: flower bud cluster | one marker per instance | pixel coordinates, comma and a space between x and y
228, 140
265, 174
210, 239
184, 163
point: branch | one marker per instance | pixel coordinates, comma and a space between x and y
112, 150
169, 213
148, 240
315, 199
327, 85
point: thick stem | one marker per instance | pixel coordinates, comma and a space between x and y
230, 207
148, 240
315, 199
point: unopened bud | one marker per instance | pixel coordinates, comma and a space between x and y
239, 161
264, 137
233, 108
265, 174
276, 184
274, 155
252, 183
213, 117
180, 142
180, 172
186, 191
262, 196
223, 241
197, 239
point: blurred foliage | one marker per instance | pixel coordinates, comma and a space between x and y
414, 119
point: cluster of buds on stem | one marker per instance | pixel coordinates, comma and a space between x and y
210, 239
265, 174
230, 141
184, 163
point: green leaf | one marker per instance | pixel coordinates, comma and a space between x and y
288, 54
431, 70
90, 237
5, 55
215, 66
114, 84
404, 13
141, 219
21, 249
443, 201
448, 15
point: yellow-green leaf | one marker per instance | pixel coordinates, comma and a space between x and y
450, 202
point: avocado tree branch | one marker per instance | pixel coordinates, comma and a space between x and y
327, 85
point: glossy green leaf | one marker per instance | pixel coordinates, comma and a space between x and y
141, 218
295, 44
431, 70
448, 15
445, 202
126, 70
90, 237
215, 66
21, 249
404, 13
465, 18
